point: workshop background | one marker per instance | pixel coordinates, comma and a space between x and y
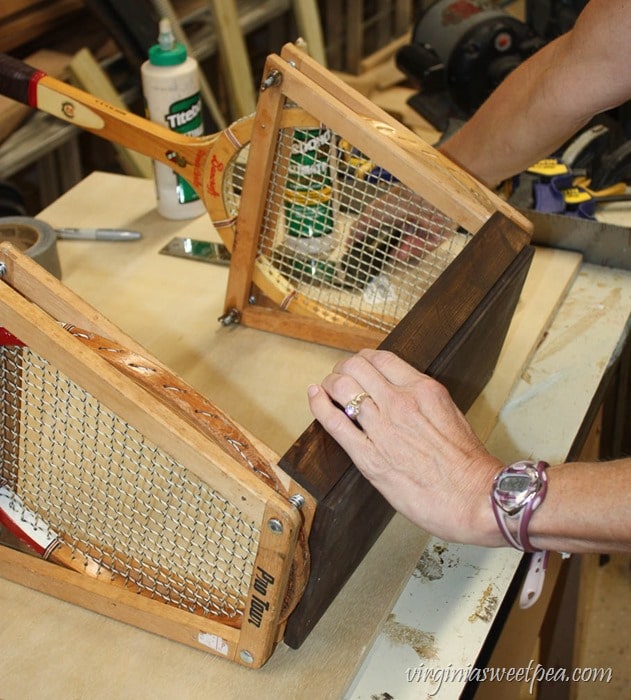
391, 50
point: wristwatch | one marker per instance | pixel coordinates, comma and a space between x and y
518, 490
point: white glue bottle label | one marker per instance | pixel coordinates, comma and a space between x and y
170, 86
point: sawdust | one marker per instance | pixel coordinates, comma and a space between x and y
486, 607
431, 565
423, 643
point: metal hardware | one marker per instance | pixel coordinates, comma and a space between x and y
274, 79
297, 501
275, 525
246, 657
230, 318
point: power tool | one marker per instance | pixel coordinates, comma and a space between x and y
461, 50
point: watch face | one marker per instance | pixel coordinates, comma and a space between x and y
513, 489
514, 482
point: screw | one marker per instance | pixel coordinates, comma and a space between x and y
3, 269
246, 656
275, 525
273, 79
232, 316
297, 501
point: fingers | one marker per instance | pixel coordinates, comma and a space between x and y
370, 368
336, 422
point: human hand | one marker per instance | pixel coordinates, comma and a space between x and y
413, 444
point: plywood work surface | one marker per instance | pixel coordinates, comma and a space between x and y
54, 650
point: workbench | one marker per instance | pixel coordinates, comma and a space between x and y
414, 602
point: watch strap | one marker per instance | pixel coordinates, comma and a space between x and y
533, 583
531, 507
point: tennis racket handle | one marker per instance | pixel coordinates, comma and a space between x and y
16, 79
34, 88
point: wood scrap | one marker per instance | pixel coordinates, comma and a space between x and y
379, 78
386, 53
310, 28
22, 21
234, 55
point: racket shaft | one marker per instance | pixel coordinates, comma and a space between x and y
34, 88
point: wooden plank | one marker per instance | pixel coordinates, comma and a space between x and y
234, 55
10, 7
310, 28
32, 20
334, 24
385, 53
551, 274
403, 15
379, 78
354, 34
351, 514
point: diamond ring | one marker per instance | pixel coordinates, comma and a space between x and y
352, 407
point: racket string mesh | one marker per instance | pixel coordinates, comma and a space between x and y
115, 497
347, 234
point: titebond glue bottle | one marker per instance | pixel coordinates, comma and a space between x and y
170, 86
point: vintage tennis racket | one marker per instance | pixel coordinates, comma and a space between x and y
157, 508
338, 218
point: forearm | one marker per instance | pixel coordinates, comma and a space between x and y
587, 508
517, 125
550, 97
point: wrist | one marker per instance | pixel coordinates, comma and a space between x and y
483, 526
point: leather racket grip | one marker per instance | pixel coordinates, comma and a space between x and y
16, 79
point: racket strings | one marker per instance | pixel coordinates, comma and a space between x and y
347, 234
115, 498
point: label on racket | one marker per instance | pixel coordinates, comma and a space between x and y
23, 523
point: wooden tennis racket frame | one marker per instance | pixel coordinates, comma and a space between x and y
295, 78
33, 304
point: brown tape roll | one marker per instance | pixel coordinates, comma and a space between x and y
35, 238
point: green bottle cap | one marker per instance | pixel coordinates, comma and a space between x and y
167, 57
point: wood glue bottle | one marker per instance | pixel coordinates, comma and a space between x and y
170, 85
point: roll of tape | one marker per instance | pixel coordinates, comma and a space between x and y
35, 238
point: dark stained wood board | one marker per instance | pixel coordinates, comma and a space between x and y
458, 343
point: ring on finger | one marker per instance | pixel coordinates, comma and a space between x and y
353, 407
